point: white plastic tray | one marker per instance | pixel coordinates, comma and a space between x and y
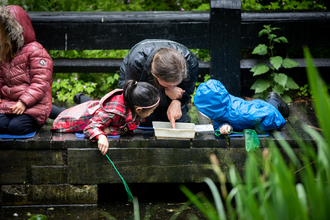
165, 130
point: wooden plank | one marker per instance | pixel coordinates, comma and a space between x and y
298, 27
121, 30
102, 65
308, 110
15, 164
48, 174
208, 140
225, 62
66, 140
149, 165
296, 120
288, 134
13, 195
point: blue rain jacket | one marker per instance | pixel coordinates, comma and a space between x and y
213, 100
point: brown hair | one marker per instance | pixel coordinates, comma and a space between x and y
6, 45
169, 65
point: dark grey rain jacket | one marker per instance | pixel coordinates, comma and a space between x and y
137, 63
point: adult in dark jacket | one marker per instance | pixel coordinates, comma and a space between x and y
172, 68
25, 74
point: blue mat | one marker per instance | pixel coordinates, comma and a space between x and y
81, 135
145, 128
241, 135
5, 136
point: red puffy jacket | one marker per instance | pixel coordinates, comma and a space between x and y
28, 77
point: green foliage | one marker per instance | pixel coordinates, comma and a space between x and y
273, 188
277, 82
95, 85
66, 86
282, 5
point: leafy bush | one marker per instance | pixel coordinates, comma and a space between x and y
273, 189
277, 82
282, 5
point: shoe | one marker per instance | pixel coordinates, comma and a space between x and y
76, 98
283, 108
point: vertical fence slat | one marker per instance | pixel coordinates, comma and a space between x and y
225, 37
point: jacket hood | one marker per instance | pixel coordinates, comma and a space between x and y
212, 99
108, 97
19, 25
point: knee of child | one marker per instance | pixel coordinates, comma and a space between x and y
14, 129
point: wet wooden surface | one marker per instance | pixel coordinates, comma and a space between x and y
55, 158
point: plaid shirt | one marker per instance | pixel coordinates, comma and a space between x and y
93, 116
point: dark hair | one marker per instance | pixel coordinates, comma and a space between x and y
6, 45
169, 65
140, 94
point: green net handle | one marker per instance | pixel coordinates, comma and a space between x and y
217, 132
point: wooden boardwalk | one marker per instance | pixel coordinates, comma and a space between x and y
53, 159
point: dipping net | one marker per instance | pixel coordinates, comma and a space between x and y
250, 136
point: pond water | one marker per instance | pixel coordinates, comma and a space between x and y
156, 201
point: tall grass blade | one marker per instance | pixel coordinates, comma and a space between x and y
216, 197
321, 97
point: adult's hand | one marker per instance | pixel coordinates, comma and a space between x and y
103, 144
225, 129
175, 93
18, 108
174, 112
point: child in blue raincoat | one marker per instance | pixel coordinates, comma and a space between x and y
232, 113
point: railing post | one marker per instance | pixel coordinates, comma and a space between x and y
225, 37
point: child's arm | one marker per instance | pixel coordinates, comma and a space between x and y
41, 69
98, 127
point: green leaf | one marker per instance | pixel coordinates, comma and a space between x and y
281, 79
291, 84
267, 27
286, 98
283, 39
262, 32
271, 36
260, 85
288, 63
278, 89
259, 69
261, 49
276, 61
277, 40
275, 28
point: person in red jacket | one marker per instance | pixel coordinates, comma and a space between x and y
118, 112
25, 74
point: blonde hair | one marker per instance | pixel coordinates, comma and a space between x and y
169, 65
6, 45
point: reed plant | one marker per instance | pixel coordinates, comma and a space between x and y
273, 187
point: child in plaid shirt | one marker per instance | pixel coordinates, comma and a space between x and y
118, 112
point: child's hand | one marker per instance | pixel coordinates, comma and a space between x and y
106, 130
225, 129
103, 144
18, 108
